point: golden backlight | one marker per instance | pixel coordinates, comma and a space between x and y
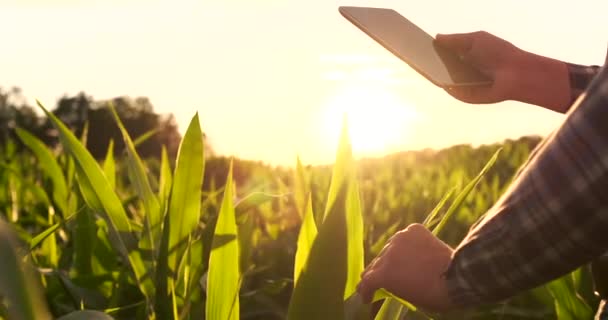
378, 120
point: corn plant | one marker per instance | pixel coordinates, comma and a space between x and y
127, 239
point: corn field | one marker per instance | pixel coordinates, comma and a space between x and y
220, 239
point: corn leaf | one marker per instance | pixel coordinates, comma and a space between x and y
100, 196
43, 235
185, 202
139, 179
86, 315
49, 246
430, 219
49, 165
385, 294
223, 276
391, 310
85, 236
319, 292
255, 199
164, 187
306, 238
344, 174
464, 193
354, 226
568, 303
182, 216
18, 281
144, 137
109, 165
162, 304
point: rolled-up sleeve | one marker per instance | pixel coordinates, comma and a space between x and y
552, 219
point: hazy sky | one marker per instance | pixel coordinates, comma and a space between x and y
272, 78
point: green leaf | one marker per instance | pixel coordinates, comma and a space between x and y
384, 294
37, 240
185, 202
319, 292
144, 137
100, 196
19, 285
84, 235
109, 165
139, 179
49, 246
195, 261
344, 175
354, 227
164, 188
162, 305
86, 315
183, 212
83, 296
391, 310
224, 276
255, 199
43, 235
306, 238
568, 303
431, 217
464, 193
49, 165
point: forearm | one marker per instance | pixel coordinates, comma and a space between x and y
553, 218
550, 83
543, 82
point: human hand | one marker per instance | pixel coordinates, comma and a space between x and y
494, 57
517, 74
411, 266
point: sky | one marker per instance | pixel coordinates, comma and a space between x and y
272, 79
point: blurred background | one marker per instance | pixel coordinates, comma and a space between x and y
271, 79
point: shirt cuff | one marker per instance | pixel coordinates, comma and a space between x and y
460, 291
580, 77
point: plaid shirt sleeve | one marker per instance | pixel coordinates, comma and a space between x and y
580, 78
554, 216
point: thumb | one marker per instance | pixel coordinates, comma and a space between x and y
461, 43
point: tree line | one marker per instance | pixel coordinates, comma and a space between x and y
81, 111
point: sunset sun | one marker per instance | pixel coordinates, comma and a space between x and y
378, 119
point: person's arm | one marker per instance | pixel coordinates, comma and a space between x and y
553, 219
518, 75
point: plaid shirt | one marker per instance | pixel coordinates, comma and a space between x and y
554, 216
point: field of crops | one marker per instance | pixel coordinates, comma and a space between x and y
214, 238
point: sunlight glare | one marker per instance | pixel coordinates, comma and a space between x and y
378, 120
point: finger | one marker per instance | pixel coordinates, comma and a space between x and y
368, 285
459, 42
386, 247
377, 263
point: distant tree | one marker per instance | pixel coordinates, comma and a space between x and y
14, 112
137, 115
139, 118
74, 111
